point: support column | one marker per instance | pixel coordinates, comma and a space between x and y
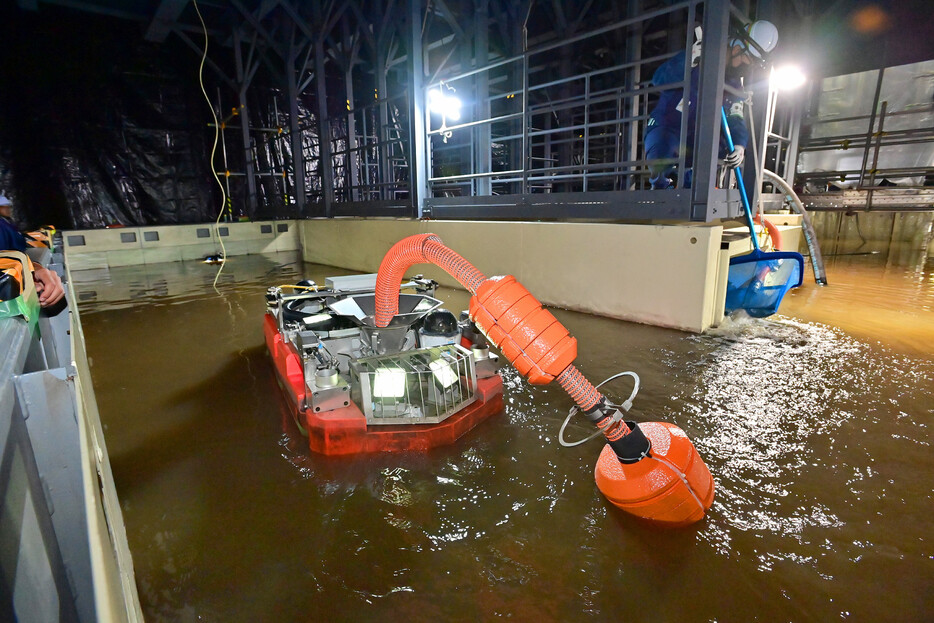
759, 129
791, 156
295, 133
418, 154
385, 173
324, 133
243, 83
353, 156
483, 161
710, 101
632, 144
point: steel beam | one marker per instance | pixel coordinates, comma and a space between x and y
324, 133
298, 153
483, 156
351, 45
207, 61
243, 81
631, 205
258, 27
165, 17
419, 165
710, 102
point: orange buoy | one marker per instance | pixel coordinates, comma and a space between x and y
671, 485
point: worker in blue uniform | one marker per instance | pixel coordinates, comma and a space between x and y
663, 133
48, 283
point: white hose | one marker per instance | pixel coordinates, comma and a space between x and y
810, 236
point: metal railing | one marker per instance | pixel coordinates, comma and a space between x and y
879, 158
578, 132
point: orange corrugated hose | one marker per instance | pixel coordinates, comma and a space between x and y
419, 249
428, 248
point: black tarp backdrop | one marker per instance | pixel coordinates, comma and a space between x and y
99, 127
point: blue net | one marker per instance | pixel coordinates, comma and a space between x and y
758, 286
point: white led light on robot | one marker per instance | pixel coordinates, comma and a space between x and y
389, 383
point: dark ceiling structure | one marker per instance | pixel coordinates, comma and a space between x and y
849, 35
314, 101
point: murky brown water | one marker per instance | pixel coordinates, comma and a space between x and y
816, 425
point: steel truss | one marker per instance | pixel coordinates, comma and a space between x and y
864, 188
555, 95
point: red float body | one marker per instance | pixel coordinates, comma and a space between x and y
528, 335
344, 431
671, 486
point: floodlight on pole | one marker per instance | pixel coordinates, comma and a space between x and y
788, 78
445, 104
442, 101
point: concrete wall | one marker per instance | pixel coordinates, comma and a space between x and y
907, 233
664, 275
65, 556
103, 248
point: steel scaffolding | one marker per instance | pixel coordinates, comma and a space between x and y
556, 97
872, 142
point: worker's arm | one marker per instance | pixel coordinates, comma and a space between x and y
736, 119
735, 116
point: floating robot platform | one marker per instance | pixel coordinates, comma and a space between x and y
418, 383
372, 368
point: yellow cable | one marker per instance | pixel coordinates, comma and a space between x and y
217, 179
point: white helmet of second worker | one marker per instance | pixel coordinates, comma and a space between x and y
765, 36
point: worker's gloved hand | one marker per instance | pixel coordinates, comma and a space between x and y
735, 157
696, 48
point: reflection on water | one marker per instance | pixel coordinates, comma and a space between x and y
816, 426
875, 296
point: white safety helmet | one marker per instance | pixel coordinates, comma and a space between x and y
764, 34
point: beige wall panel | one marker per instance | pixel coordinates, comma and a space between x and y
129, 257
97, 240
104, 248
644, 273
156, 255
198, 251
357, 244
87, 261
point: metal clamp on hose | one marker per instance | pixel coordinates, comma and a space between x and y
597, 414
633, 447
600, 411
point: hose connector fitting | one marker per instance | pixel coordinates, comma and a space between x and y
625, 437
